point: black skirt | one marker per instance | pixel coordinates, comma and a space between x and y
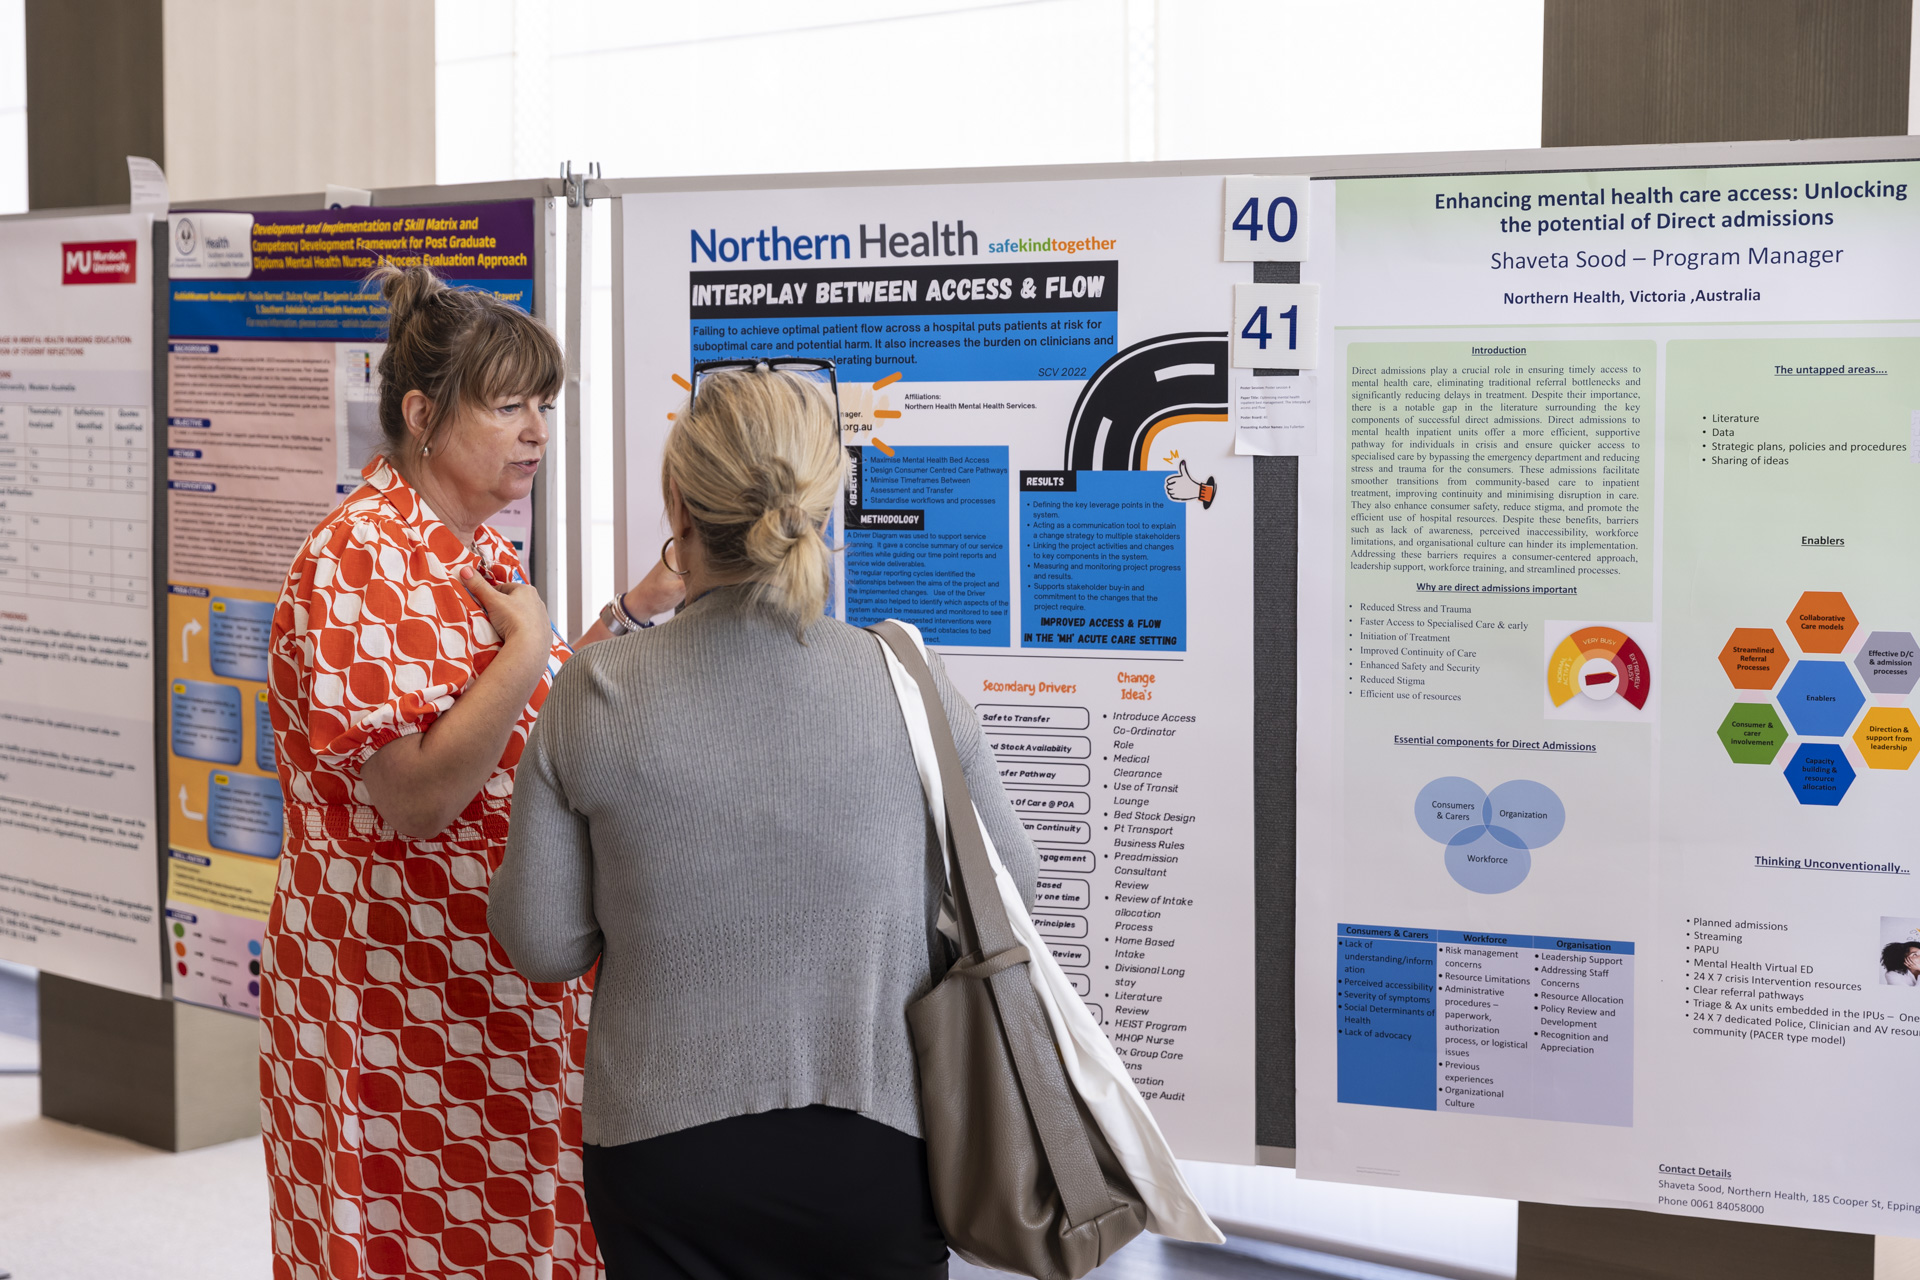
814, 1193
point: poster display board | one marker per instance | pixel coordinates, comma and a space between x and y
1034, 388
1609, 639
78, 840
273, 409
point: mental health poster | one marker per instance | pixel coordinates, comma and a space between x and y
79, 851
273, 409
1034, 383
1609, 636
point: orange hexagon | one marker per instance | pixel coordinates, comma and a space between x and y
1822, 622
1754, 658
1887, 737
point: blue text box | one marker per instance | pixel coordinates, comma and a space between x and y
1104, 566
244, 814
300, 310
1385, 1023
237, 646
1013, 347
263, 756
948, 571
206, 721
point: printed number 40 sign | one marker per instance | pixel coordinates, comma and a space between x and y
1276, 326
1266, 220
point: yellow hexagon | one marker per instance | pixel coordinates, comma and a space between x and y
1887, 737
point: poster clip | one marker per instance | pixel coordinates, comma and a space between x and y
576, 183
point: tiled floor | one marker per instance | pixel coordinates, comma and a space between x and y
79, 1205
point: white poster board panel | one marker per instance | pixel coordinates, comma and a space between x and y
78, 853
1607, 671
1034, 385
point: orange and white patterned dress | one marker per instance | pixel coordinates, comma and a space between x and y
420, 1101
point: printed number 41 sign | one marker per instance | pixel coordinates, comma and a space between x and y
1276, 326
1266, 220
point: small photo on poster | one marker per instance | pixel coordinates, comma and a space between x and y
356, 408
1899, 951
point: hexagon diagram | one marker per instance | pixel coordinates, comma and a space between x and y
1822, 622
1753, 733
1888, 662
1820, 698
1819, 773
1754, 658
1887, 737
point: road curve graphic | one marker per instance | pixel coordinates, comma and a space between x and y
1177, 377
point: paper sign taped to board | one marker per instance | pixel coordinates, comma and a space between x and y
146, 186
1273, 416
1276, 326
1266, 218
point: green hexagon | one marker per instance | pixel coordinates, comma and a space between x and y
1752, 733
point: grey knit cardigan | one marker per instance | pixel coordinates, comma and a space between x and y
729, 820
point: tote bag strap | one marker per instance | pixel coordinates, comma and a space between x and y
981, 910
1049, 1095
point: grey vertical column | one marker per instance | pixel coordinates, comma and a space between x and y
169, 1075
1634, 71
1276, 571
1627, 71
96, 94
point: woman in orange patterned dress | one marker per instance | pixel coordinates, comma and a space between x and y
420, 1100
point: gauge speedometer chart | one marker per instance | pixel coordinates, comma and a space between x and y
1600, 664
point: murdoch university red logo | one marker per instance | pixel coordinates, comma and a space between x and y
98, 262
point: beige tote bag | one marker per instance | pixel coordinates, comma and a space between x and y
1042, 1156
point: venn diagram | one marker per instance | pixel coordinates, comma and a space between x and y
1489, 835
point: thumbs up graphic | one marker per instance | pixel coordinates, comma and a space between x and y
1182, 487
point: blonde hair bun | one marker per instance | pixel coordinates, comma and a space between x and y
757, 459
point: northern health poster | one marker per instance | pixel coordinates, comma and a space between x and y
273, 409
78, 839
1609, 624
1034, 389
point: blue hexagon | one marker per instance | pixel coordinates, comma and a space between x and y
1819, 773
1821, 698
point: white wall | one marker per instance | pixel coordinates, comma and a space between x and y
765, 86
265, 99
757, 86
13, 106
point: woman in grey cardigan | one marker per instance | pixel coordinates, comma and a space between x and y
723, 812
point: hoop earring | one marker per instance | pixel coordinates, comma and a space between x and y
681, 573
